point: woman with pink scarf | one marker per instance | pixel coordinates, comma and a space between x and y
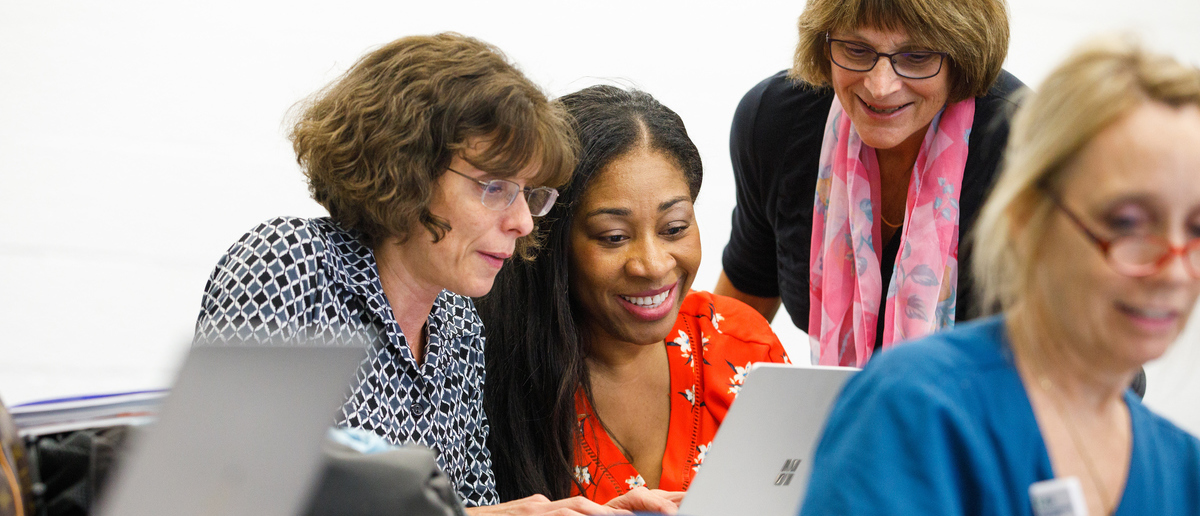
860, 170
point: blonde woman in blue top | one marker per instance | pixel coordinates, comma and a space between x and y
1090, 249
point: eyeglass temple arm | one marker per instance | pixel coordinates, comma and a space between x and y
1102, 243
480, 182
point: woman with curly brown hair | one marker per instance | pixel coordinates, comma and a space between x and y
432, 154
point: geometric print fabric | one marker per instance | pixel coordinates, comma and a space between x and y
292, 280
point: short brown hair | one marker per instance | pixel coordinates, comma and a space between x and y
1101, 82
375, 141
973, 32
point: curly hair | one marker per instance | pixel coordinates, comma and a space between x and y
375, 141
973, 32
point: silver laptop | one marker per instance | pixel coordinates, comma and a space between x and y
240, 433
760, 458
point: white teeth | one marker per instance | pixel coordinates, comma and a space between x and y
648, 302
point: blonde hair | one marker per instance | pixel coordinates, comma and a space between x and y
973, 32
1102, 81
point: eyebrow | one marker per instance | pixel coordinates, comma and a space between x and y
907, 46
1139, 198
669, 204
1146, 200
625, 212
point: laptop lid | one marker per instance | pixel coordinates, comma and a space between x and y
759, 460
240, 433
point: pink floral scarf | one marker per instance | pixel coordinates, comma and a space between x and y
844, 279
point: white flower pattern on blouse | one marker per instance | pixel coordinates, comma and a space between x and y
716, 321
635, 482
738, 378
582, 475
684, 344
701, 452
690, 394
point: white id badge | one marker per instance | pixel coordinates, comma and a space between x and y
1058, 497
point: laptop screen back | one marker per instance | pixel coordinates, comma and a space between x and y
759, 460
240, 433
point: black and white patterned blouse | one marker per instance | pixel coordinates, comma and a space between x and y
292, 279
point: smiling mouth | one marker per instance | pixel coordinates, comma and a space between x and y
654, 304
882, 111
649, 301
1148, 313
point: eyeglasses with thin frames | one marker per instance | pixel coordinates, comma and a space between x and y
1137, 255
499, 194
856, 57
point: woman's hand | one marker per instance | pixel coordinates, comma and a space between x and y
538, 505
648, 500
640, 499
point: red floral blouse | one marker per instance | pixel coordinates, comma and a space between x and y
714, 341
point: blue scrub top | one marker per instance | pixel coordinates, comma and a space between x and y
943, 426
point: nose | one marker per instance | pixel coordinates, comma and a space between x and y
882, 80
517, 218
650, 259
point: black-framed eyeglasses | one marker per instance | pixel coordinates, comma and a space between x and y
1137, 255
499, 194
856, 57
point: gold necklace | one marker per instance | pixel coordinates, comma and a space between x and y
889, 224
1077, 442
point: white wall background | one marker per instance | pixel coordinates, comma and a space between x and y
139, 139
